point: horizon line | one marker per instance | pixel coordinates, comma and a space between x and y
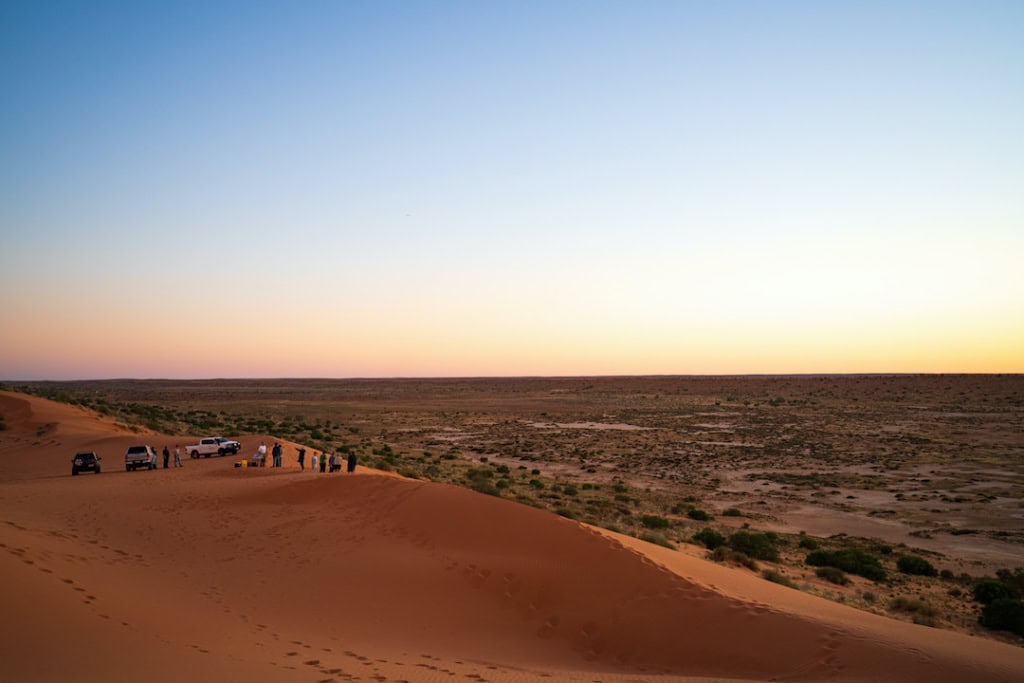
512, 377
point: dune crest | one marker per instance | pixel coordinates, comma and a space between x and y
268, 575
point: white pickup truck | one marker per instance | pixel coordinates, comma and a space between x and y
214, 445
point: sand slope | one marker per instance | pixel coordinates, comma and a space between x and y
213, 573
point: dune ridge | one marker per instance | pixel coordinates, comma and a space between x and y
209, 572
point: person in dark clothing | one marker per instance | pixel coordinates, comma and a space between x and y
167, 456
276, 452
302, 459
351, 461
323, 462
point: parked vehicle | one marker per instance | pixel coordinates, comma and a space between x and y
140, 457
213, 445
86, 461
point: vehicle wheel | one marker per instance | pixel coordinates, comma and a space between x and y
74, 472
195, 455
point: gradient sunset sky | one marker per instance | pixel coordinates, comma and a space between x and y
352, 189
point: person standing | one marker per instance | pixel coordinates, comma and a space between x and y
277, 454
351, 461
177, 455
323, 462
167, 456
302, 459
315, 459
262, 453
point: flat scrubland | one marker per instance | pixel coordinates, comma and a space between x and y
765, 471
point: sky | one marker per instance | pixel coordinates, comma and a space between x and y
382, 189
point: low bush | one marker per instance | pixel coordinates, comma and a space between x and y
654, 522
698, 515
484, 486
658, 539
1014, 579
726, 554
753, 544
732, 512
1004, 614
918, 566
777, 577
913, 606
833, 575
709, 538
808, 543
988, 591
850, 560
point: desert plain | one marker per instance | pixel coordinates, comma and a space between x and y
510, 529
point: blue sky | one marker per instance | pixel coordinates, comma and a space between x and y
516, 188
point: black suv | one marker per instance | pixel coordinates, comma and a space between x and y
85, 462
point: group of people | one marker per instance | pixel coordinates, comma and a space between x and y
324, 462
333, 461
261, 455
177, 456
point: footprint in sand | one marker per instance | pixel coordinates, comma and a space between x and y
547, 629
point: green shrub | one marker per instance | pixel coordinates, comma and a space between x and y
914, 606
565, 512
698, 515
1014, 579
732, 512
833, 575
726, 554
536, 483
988, 591
709, 538
777, 577
753, 544
850, 560
658, 539
918, 566
1004, 614
654, 522
808, 543
481, 486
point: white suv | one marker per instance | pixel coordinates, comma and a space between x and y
140, 456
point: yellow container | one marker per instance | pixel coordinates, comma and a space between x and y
245, 463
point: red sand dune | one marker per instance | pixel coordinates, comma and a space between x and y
214, 573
